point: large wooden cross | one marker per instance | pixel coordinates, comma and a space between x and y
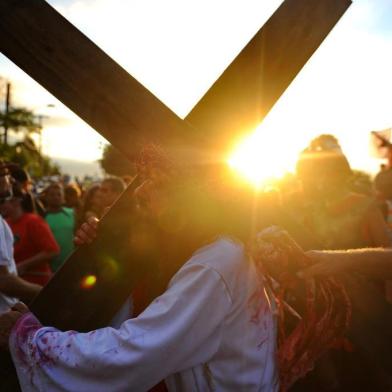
71, 67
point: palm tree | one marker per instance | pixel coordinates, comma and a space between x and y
19, 119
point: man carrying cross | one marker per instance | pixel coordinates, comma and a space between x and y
213, 328
204, 331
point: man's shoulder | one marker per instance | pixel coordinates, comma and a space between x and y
31, 217
3, 223
6, 246
61, 212
226, 258
220, 261
225, 255
32, 220
222, 247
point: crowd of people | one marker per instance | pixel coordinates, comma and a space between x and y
42, 226
242, 304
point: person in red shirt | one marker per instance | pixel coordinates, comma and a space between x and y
34, 244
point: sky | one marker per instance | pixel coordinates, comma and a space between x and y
177, 49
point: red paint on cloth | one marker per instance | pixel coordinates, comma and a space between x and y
22, 334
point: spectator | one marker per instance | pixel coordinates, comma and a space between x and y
383, 186
91, 205
337, 217
23, 180
11, 286
72, 195
61, 221
110, 189
7, 263
73, 199
34, 244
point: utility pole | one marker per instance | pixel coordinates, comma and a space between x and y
40, 117
7, 110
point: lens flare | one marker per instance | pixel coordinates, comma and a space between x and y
109, 268
88, 282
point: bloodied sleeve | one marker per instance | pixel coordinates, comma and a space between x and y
178, 330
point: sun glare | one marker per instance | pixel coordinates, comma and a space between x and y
262, 157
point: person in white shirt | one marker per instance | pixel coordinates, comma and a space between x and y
7, 263
11, 286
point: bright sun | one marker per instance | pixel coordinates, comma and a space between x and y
263, 156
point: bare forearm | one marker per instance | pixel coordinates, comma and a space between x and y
376, 263
15, 286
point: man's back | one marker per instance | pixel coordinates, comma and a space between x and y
243, 344
212, 329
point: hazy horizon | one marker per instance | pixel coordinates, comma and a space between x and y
78, 168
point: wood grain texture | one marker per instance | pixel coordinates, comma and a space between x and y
247, 90
76, 71
114, 259
70, 66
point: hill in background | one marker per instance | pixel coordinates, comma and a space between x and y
78, 168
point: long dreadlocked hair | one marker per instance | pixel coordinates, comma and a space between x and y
277, 257
326, 314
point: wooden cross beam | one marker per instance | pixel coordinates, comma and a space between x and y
248, 89
76, 71
71, 67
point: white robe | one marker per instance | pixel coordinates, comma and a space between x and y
213, 329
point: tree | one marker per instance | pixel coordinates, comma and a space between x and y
115, 163
17, 120
23, 152
26, 154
